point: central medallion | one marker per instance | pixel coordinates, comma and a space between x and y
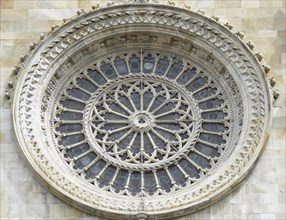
141, 121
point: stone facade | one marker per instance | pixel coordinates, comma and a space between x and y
260, 196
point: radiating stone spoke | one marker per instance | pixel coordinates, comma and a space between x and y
164, 129
119, 103
111, 121
162, 105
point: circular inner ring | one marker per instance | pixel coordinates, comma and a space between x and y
142, 122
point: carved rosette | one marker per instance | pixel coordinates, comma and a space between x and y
117, 112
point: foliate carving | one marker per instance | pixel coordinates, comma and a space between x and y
219, 112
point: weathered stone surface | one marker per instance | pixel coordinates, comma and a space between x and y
261, 196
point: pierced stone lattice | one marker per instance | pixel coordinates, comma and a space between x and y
142, 124
143, 120
69, 68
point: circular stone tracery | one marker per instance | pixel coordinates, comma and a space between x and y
150, 131
53, 107
142, 120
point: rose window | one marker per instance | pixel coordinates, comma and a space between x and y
141, 111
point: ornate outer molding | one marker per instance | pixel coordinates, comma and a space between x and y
98, 32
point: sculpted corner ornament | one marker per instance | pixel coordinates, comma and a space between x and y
121, 115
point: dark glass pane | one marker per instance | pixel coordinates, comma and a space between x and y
214, 127
115, 136
135, 97
214, 115
149, 182
189, 168
135, 183
66, 115
177, 175
79, 94
212, 138
125, 142
108, 70
120, 66
160, 99
86, 85
204, 93
172, 127
125, 101
168, 135
148, 147
120, 181
147, 97
70, 140
159, 143
207, 150
210, 104
197, 84
135, 148
69, 128
164, 180
199, 160
167, 107
149, 63
111, 116
112, 126
162, 66
95, 169
107, 176
175, 69
84, 160
96, 76
71, 104
134, 63
187, 75
76, 151
116, 107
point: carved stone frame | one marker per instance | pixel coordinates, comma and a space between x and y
37, 75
